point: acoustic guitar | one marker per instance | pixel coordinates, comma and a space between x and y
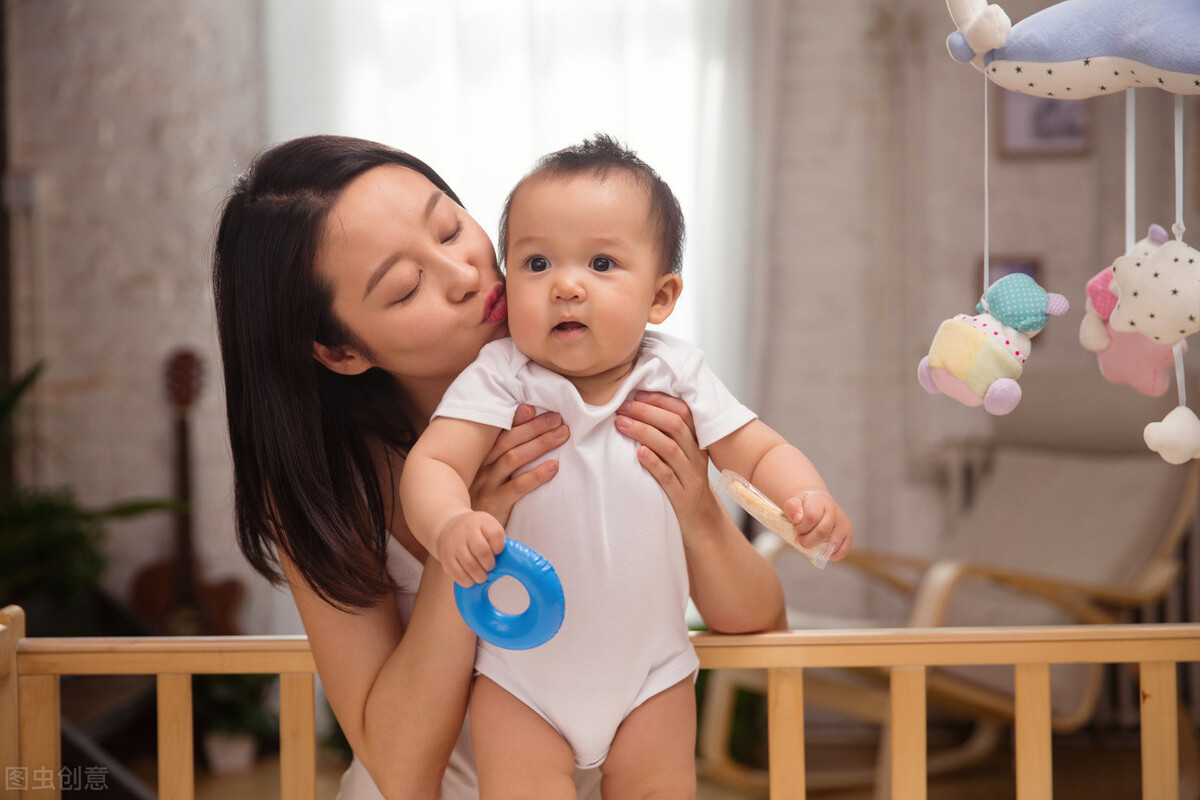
170, 593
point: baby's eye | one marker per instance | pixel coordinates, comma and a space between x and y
538, 264
601, 264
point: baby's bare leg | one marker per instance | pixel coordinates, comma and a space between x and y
653, 754
517, 753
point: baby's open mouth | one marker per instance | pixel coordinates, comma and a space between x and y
571, 325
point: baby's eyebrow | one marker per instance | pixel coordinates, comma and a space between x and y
526, 241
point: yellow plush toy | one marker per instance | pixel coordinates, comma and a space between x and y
977, 358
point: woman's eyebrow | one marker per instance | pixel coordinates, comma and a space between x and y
391, 260
379, 272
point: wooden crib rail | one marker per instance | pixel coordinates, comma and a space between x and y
1156, 649
30, 669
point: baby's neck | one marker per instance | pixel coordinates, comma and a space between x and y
598, 389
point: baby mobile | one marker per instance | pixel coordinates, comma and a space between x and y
1139, 310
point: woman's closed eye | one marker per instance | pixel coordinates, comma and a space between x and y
408, 295
458, 228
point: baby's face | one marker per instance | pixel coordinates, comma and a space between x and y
584, 272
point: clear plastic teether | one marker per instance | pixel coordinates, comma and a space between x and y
757, 505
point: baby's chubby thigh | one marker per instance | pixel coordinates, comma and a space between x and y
653, 752
518, 754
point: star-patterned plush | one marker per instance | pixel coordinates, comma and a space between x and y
1177, 437
977, 358
1158, 295
1125, 358
1082, 48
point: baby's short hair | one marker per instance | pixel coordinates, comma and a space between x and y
602, 155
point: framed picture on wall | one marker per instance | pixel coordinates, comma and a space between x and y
1031, 127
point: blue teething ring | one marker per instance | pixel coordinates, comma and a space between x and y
534, 626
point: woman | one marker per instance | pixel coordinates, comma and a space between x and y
351, 288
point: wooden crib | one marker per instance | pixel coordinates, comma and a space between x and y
30, 669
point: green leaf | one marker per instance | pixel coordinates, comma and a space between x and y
10, 398
132, 508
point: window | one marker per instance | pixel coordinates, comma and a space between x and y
480, 88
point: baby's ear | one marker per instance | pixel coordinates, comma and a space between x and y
666, 293
342, 360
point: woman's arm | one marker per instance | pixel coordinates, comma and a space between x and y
399, 695
734, 588
402, 697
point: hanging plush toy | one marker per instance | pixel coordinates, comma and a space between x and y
1139, 310
1082, 48
1158, 295
977, 358
1125, 357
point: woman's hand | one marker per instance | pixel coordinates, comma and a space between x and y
496, 488
663, 426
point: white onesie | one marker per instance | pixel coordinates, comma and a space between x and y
608, 529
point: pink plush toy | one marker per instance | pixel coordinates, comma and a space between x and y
1125, 357
977, 359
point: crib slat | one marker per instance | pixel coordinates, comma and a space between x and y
1160, 743
297, 737
785, 733
40, 736
12, 619
176, 766
908, 733
1033, 745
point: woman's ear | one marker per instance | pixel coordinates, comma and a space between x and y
341, 360
667, 292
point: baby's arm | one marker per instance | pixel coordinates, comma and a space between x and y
436, 499
787, 477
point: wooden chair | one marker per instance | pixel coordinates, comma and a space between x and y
1067, 518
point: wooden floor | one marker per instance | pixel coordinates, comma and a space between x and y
1083, 770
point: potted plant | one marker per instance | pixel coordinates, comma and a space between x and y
232, 717
51, 547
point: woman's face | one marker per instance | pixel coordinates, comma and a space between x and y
414, 278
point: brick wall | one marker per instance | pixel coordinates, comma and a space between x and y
129, 119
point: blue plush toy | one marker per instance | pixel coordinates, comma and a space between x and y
1082, 48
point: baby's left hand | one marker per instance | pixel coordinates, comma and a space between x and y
816, 517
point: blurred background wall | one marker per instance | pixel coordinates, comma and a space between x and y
126, 121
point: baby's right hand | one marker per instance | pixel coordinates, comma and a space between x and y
467, 546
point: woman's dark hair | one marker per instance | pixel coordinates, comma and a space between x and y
602, 155
304, 439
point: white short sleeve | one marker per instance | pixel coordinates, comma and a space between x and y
716, 412
486, 391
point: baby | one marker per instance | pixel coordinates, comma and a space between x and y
592, 240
